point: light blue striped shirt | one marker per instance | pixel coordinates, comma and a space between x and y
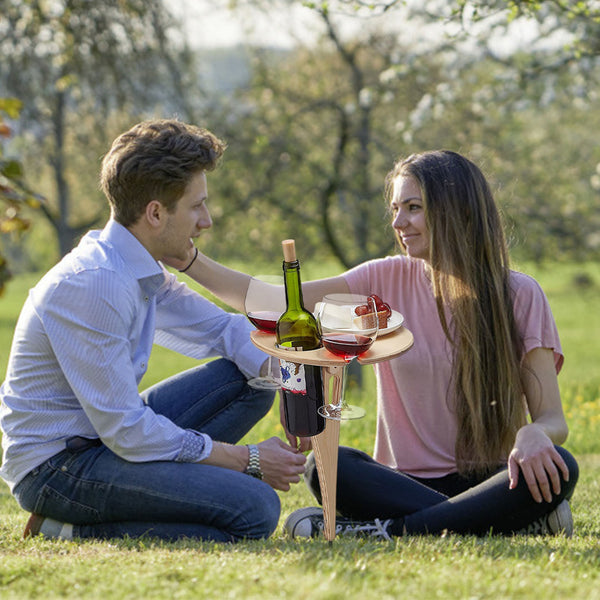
81, 347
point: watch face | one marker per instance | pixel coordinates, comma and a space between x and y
255, 473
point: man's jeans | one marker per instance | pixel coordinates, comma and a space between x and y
105, 496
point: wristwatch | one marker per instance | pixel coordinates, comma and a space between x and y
253, 467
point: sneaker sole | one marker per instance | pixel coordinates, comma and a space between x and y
294, 520
560, 520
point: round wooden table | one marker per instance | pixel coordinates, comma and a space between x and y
326, 443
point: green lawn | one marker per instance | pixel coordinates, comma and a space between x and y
424, 567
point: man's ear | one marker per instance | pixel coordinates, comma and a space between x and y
155, 213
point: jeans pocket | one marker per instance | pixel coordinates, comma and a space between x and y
56, 490
53, 502
27, 490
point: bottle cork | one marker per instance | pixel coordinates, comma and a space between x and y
289, 250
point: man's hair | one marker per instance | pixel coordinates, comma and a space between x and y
155, 160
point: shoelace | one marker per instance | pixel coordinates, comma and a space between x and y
374, 529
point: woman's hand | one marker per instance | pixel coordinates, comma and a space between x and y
177, 263
281, 464
535, 456
302, 444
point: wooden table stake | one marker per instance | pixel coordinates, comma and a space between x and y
326, 443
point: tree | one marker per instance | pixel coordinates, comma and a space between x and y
318, 132
72, 63
14, 193
329, 120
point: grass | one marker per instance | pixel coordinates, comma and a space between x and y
422, 567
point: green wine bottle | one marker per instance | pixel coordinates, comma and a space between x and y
297, 329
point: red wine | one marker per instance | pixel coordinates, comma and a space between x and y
301, 384
300, 407
346, 344
265, 320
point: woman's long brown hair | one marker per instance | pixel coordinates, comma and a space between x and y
470, 278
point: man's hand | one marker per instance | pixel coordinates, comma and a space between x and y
280, 463
302, 444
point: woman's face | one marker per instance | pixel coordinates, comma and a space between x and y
409, 217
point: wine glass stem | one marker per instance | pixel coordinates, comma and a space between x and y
342, 403
270, 367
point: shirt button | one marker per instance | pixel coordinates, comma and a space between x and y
63, 468
143, 365
146, 299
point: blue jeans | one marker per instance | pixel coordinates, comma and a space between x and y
104, 496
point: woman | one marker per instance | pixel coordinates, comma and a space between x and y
454, 448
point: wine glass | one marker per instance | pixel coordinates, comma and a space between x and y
264, 304
349, 325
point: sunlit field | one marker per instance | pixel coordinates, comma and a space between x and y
446, 566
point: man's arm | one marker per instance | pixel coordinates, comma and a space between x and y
279, 462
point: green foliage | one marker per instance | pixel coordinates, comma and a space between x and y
14, 193
313, 131
75, 65
321, 127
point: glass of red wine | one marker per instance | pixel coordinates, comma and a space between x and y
349, 325
264, 304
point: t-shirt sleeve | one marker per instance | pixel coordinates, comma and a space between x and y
375, 276
534, 317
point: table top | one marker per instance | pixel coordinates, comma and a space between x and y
383, 348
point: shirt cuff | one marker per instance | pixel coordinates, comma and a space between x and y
196, 447
249, 359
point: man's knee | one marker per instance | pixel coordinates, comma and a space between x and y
264, 516
263, 398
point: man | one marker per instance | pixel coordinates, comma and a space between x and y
84, 451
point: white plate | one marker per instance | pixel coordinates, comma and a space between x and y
394, 322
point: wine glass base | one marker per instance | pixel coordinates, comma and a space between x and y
347, 412
264, 383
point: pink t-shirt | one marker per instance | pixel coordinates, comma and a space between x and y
416, 427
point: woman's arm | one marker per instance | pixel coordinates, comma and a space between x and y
313, 291
230, 285
534, 454
227, 284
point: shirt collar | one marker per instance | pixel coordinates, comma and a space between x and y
135, 256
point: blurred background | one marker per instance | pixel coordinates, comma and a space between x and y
316, 101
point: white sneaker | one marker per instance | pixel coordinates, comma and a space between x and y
308, 522
559, 521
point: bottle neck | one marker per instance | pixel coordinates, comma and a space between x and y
293, 287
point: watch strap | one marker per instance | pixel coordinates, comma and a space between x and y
253, 467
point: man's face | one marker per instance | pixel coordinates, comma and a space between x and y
191, 216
